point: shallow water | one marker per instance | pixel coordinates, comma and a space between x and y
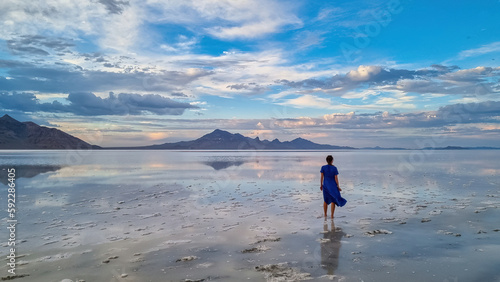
410, 216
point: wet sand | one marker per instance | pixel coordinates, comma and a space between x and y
232, 216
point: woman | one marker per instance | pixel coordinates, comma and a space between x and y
330, 186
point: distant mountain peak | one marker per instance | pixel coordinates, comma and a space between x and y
7, 118
300, 139
29, 135
224, 140
218, 132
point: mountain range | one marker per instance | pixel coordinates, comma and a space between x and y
223, 140
29, 135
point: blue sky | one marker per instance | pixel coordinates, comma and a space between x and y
357, 73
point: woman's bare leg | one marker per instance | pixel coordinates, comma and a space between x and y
333, 209
325, 207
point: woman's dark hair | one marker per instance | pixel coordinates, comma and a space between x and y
329, 159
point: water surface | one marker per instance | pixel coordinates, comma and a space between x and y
235, 211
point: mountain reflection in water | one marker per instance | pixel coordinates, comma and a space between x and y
27, 171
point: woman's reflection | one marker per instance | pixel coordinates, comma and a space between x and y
330, 248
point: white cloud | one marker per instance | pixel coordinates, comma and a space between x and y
296, 122
329, 14
260, 69
74, 19
227, 19
306, 39
231, 73
124, 25
400, 103
247, 30
309, 101
363, 73
485, 49
123, 31
470, 75
54, 16
466, 100
363, 94
338, 117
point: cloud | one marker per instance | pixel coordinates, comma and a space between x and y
476, 81
488, 111
94, 57
485, 49
38, 45
478, 74
107, 24
435, 80
443, 68
88, 104
364, 73
66, 78
329, 14
25, 102
133, 29
248, 30
306, 39
309, 101
349, 128
27, 49
12, 64
179, 94
399, 102
50, 17
484, 112
114, 6
364, 94
251, 87
183, 44
229, 20
195, 75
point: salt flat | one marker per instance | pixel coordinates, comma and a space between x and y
255, 216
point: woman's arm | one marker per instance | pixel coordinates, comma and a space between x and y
322, 177
337, 181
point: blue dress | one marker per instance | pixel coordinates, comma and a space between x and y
331, 193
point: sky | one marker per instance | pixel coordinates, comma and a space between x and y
391, 73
